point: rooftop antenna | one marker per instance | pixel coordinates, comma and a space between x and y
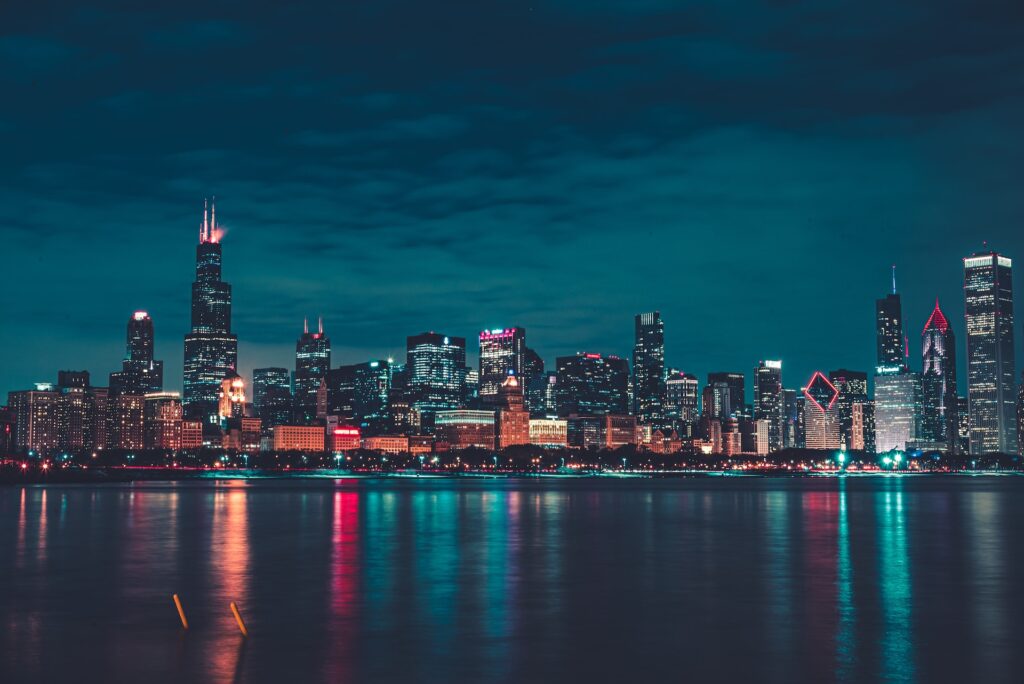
894, 278
213, 214
305, 325
206, 221
321, 320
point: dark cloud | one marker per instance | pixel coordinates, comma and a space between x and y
749, 168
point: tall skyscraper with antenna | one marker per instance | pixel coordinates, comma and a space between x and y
889, 328
312, 361
211, 350
897, 388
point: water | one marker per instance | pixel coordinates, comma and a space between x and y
713, 579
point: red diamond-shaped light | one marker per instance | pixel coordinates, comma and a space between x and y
821, 391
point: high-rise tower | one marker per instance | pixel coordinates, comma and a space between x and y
939, 420
435, 365
768, 400
649, 368
140, 373
991, 367
312, 361
211, 350
501, 350
889, 328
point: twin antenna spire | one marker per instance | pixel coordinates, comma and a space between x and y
208, 231
305, 325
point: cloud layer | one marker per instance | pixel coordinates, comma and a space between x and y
751, 169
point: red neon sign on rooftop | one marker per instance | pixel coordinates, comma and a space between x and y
819, 377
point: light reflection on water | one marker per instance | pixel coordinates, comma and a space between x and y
896, 579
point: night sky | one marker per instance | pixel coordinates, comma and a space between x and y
750, 169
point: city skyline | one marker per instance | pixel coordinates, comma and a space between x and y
272, 355
436, 393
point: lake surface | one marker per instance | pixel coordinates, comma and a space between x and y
725, 579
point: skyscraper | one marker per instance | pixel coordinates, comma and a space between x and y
821, 424
889, 328
76, 412
991, 367
272, 397
501, 350
436, 372
140, 373
591, 385
681, 402
853, 390
542, 395
649, 367
35, 419
897, 408
211, 350
939, 421
897, 389
312, 361
735, 405
768, 400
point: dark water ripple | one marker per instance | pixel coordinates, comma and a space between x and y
902, 579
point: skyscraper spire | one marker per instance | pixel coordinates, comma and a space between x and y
321, 324
894, 278
206, 222
305, 325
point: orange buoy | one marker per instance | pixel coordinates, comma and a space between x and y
238, 619
181, 611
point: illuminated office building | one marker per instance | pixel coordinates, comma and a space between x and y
821, 423
312, 361
853, 389
897, 408
272, 397
140, 373
211, 349
991, 365
768, 403
591, 385
501, 350
939, 420
435, 372
649, 368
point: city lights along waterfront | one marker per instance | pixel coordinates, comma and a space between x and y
591, 412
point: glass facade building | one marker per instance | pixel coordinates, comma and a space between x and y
211, 350
991, 366
939, 420
897, 408
312, 361
501, 350
768, 401
889, 330
435, 371
649, 368
592, 385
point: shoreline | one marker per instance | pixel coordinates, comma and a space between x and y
137, 474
